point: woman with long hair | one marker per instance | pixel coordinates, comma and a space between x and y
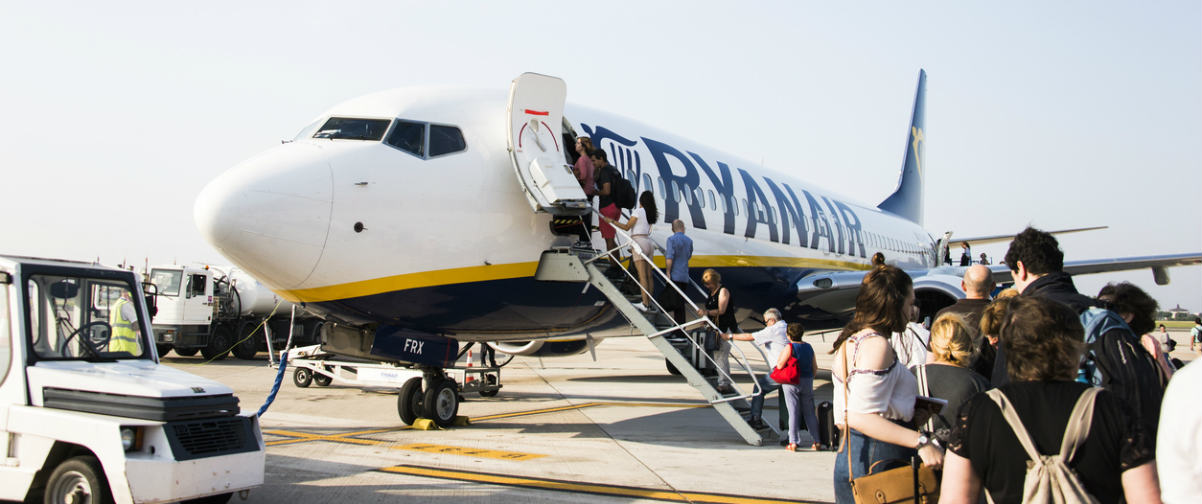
874, 394
639, 226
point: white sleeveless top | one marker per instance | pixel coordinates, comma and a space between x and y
889, 392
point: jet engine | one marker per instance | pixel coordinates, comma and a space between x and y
544, 348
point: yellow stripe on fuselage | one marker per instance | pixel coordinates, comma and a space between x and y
526, 269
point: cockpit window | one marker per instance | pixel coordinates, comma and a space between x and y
352, 129
445, 140
409, 137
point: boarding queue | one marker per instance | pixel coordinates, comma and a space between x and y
1038, 394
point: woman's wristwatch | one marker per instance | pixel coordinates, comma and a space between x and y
925, 439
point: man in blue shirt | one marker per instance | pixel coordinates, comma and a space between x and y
679, 251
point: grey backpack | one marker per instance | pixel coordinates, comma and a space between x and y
1049, 478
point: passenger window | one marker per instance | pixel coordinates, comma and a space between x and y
409, 137
662, 190
445, 140
687, 195
646, 183
713, 204
675, 191
352, 129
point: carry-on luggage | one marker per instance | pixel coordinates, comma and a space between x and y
828, 434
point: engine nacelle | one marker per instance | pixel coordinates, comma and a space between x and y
558, 347
936, 292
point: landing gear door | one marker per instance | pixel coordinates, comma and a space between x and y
536, 145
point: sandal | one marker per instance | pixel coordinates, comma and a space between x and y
791, 447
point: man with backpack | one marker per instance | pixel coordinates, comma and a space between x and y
615, 193
605, 177
1114, 358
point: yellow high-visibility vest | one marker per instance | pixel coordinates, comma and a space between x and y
124, 337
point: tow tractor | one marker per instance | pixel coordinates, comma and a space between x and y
87, 413
313, 365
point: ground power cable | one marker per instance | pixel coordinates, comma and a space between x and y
279, 375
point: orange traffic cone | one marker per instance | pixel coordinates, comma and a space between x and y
469, 377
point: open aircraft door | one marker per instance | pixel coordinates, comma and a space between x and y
536, 145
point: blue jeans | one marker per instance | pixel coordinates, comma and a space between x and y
800, 401
757, 401
864, 451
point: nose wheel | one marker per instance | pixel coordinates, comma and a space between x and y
438, 401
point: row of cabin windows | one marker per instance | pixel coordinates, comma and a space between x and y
705, 199
421, 139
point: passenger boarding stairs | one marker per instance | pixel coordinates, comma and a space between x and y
571, 264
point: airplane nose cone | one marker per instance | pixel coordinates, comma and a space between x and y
270, 215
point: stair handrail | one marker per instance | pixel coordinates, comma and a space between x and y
741, 358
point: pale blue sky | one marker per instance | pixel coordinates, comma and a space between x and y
1057, 114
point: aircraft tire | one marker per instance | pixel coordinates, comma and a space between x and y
492, 382
409, 401
185, 352
442, 403
671, 369
302, 377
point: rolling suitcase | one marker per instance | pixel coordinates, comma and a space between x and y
828, 434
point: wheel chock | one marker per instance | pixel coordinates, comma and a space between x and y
424, 424
428, 424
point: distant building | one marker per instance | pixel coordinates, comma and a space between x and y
1180, 313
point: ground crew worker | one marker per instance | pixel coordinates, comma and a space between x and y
123, 319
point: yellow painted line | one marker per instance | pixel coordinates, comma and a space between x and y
526, 269
470, 452
303, 437
574, 486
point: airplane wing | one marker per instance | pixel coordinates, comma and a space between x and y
834, 292
983, 240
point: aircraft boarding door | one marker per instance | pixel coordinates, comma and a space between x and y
536, 145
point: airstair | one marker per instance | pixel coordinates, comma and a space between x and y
685, 354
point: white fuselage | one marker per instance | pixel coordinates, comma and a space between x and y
368, 232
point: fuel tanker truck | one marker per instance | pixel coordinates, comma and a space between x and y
214, 312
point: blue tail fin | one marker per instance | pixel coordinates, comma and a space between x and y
906, 200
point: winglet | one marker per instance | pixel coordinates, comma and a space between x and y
906, 200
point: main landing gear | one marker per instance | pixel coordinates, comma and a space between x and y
438, 400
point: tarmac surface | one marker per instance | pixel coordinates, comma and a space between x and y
617, 429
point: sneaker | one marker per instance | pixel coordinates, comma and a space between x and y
757, 424
726, 389
641, 307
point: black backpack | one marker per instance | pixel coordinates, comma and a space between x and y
620, 189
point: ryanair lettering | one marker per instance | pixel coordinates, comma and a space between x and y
773, 209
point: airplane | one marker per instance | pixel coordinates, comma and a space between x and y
419, 214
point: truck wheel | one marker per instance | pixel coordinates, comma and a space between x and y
185, 352
162, 349
219, 344
322, 380
490, 381
78, 479
442, 402
302, 377
409, 401
247, 349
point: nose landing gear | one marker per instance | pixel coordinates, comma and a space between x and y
439, 401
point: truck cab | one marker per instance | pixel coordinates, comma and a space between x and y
186, 306
87, 413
